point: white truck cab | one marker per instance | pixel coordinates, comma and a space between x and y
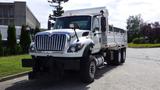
80, 40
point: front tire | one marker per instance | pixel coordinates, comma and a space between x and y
35, 68
88, 69
31, 75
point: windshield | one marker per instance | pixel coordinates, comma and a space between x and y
84, 22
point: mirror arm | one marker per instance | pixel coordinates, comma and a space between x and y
93, 31
76, 34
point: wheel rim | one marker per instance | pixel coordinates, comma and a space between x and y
119, 57
124, 55
92, 69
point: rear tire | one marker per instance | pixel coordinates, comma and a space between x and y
117, 57
123, 55
109, 57
113, 57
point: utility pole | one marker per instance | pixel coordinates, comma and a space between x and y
58, 11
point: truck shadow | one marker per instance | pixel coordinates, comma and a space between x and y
71, 81
100, 72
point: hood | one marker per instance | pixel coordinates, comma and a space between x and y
64, 31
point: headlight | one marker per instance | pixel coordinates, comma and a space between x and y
32, 47
75, 47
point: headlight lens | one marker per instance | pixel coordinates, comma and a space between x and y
32, 47
75, 47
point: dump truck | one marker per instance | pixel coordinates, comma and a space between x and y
80, 40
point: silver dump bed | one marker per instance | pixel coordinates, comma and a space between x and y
89, 11
116, 37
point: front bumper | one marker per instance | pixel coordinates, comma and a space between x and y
66, 62
57, 54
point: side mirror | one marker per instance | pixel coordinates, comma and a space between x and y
52, 24
74, 26
71, 26
95, 29
103, 24
49, 25
54, 19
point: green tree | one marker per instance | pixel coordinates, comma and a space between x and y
133, 27
156, 30
36, 30
151, 32
25, 39
11, 39
58, 10
1, 49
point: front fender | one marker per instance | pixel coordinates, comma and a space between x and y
88, 45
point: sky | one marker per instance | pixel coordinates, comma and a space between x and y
119, 10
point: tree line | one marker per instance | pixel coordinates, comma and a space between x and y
142, 32
13, 46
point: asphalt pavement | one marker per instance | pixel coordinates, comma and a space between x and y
140, 72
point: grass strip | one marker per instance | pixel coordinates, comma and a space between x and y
10, 65
131, 45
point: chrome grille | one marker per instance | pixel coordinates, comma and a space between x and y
55, 42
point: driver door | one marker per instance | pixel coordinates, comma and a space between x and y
96, 34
